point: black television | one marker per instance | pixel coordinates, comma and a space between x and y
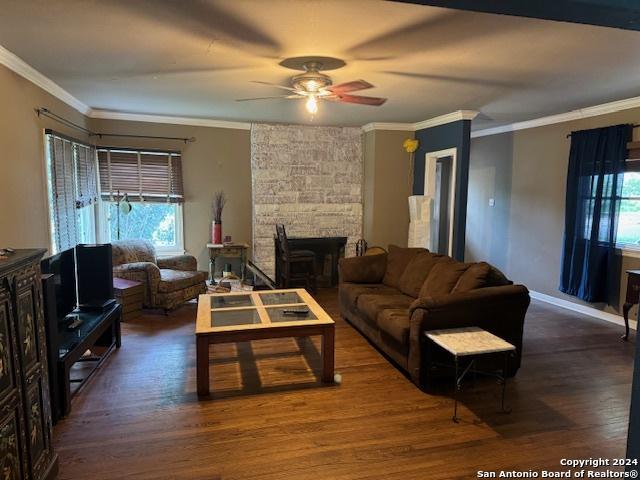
63, 268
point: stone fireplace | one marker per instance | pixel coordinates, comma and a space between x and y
309, 179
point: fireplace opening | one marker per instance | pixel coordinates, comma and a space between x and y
327, 250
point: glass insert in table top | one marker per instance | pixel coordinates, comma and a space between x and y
241, 316
229, 301
285, 314
280, 298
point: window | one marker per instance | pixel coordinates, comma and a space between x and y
628, 234
161, 223
72, 188
152, 183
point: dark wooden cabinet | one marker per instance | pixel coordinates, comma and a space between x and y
25, 414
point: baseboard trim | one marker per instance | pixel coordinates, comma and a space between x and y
576, 307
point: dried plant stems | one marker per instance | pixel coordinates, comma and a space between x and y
219, 201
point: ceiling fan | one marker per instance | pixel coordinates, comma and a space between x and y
312, 85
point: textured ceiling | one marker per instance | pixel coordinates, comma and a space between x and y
194, 57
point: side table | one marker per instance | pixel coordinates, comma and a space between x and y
471, 342
98, 329
129, 294
227, 250
633, 292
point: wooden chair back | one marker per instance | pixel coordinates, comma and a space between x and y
282, 239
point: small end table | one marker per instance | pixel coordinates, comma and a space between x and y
129, 294
228, 250
471, 342
633, 294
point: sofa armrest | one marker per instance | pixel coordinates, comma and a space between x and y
147, 273
365, 269
499, 310
179, 262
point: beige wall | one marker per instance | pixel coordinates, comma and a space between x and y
386, 188
219, 159
525, 171
23, 191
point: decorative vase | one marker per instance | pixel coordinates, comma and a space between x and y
216, 233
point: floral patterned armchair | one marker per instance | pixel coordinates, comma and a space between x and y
168, 282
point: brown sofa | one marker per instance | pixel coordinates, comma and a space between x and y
393, 298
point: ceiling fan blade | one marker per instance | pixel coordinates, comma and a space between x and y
206, 21
456, 79
441, 29
350, 86
359, 99
159, 74
264, 98
274, 85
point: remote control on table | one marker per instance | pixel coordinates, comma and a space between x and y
296, 311
75, 323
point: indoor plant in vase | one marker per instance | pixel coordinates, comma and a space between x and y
219, 201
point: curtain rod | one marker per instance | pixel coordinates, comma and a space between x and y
104, 148
50, 131
185, 140
635, 125
48, 113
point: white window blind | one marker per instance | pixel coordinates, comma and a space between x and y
72, 184
86, 175
142, 175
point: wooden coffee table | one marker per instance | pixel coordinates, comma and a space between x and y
245, 316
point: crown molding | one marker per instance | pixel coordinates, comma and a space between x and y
444, 119
20, 67
191, 121
431, 122
388, 126
596, 110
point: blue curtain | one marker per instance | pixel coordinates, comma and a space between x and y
594, 185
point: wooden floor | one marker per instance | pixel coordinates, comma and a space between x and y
269, 418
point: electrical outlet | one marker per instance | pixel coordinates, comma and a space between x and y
492, 202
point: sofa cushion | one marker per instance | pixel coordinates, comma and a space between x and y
442, 278
475, 277
370, 305
174, 280
350, 292
417, 271
395, 322
397, 260
365, 269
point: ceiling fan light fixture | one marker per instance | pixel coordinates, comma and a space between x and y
313, 85
312, 105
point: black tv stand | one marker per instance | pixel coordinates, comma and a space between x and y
98, 331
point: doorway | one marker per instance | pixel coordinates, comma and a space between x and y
439, 188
